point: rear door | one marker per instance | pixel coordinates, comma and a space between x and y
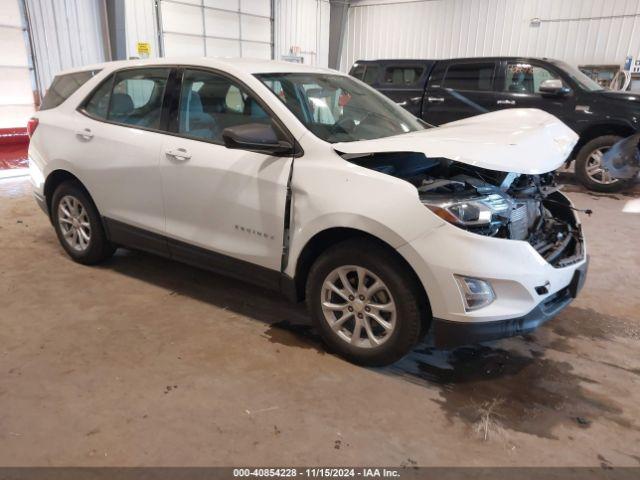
404, 84
459, 89
117, 142
221, 203
519, 87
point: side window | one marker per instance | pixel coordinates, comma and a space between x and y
402, 76
357, 71
371, 74
526, 78
137, 97
209, 103
469, 76
98, 104
64, 86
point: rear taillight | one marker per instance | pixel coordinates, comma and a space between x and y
31, 126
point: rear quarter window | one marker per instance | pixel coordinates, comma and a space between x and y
63, 86
371, 74
357, 71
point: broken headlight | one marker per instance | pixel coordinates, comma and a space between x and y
490, 210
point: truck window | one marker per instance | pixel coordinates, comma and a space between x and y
402, 76
63, 86
357, 71
525, 78
470, 76
371, 74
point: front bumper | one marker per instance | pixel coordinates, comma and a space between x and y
447, 334
528, 290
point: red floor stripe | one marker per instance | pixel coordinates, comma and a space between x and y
14, 144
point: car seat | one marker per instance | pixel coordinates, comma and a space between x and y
195, 122
121, 107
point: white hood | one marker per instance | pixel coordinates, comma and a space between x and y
519, 140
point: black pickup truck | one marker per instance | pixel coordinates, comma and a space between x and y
441, 91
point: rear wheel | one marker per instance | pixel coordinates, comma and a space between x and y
589, 169
78, 225
365, 303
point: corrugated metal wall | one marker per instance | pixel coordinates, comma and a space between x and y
303, 24
66, 34
578, 31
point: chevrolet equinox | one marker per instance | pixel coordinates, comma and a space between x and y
309, 182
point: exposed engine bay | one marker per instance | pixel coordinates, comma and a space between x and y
491, 203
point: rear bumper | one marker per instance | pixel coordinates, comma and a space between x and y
449, 333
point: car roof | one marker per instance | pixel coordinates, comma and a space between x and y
246, 65
405, 61
400, 61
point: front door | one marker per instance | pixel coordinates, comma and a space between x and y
221, 204
520, 88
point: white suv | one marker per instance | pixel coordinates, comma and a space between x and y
308, 182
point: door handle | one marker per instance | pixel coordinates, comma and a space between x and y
180, 154
506, 102
84, 134
435, 99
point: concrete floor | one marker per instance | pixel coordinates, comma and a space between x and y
143, 361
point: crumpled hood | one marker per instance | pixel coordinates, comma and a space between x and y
519, 140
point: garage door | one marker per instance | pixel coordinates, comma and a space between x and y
216, 28
16, 94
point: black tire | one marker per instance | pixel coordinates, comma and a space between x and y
411, 308
582, 161
99, 248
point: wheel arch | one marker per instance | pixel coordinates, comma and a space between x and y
53, 180
325, 239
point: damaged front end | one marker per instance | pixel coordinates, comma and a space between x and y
488, 174
491, 203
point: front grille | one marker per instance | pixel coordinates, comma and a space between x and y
519, 223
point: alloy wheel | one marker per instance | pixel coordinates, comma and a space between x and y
73, 220
595, 170
358, 306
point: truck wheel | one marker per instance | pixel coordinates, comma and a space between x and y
78, 225
589, 170
364, 303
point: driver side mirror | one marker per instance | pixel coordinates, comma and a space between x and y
256, 137
554, 88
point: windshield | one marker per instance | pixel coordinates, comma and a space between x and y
337, 108
580, 78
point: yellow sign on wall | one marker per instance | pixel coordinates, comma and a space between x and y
144, 49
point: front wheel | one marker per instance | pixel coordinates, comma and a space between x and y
589, 169
365, 304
